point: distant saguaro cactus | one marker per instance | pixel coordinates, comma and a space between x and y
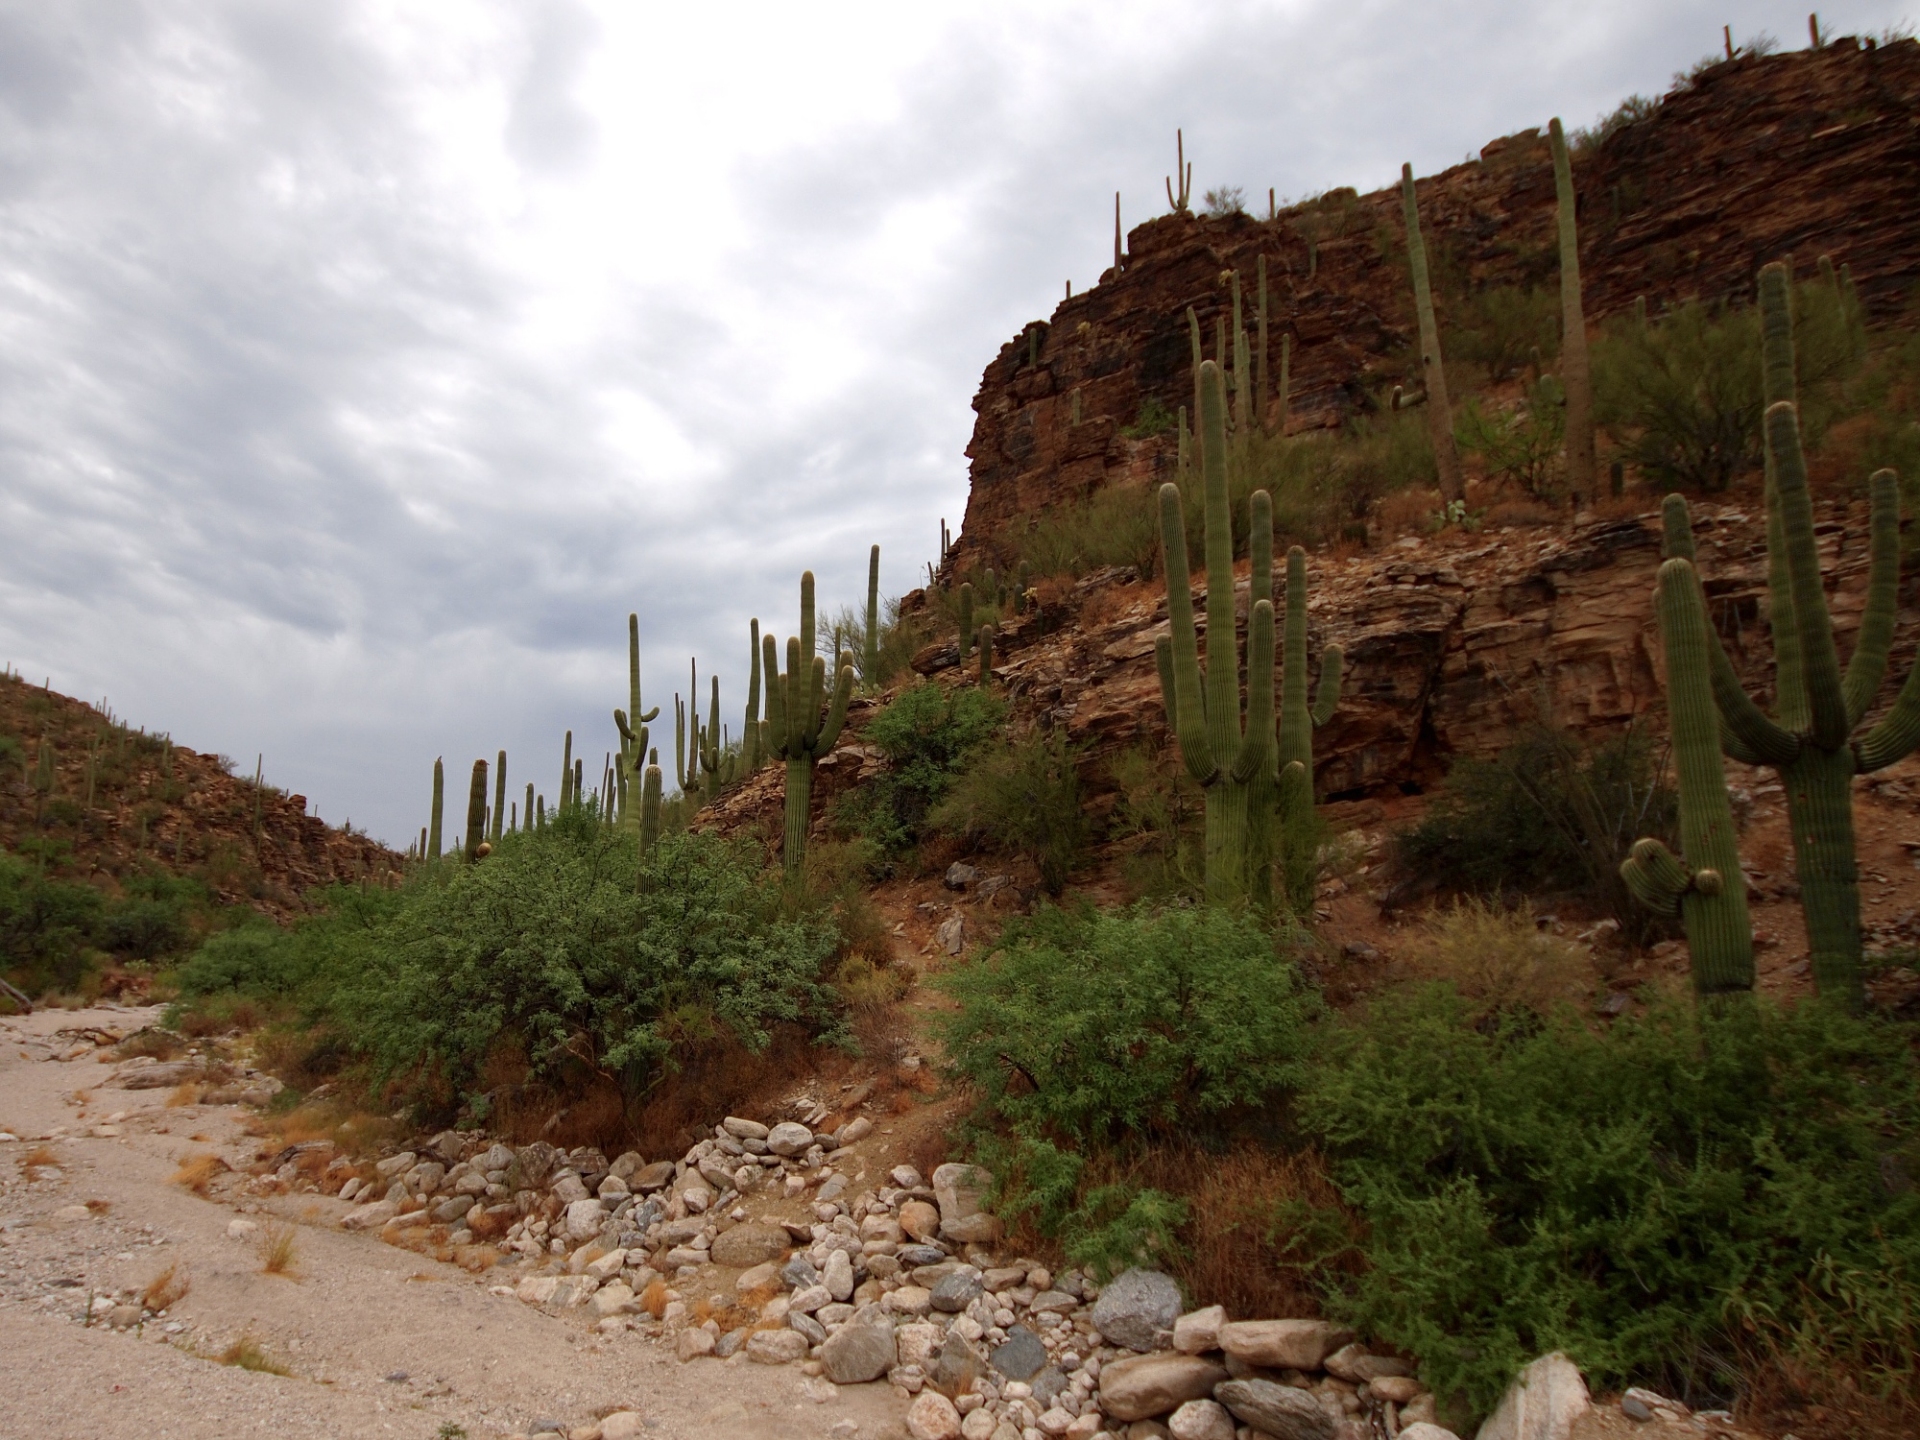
1575, 374
439, 809
800, 733
1439, 411
476, 813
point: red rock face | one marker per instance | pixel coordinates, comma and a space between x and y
1811, 153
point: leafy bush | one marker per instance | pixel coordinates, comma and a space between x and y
1635, 1196
1085, 1029
1548, 813
927, 733
1521, 445
54, 932
1497, 958
1023, 799
1226, 200
1501, 326
1158, 808
1154, 419
1118, 525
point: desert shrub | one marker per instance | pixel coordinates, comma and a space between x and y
1154, 419
1635, 1196
1548, 813
1022, 798
898, 638
927, 732
1681, 396
1226, 200
567, 945
1118, 525
1158, 807
1520, 444
1087, 1029
1499, 959
1630, 111
54, 932
1500, 327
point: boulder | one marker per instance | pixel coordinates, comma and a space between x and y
584, 1219
953, 1293
1198, 1331
649, 1178
1142, 1386
776, 1347
960, 1190
789, 1139
745, 1246
1138, 1310
860, 1350
932, 1417
1542, 1404
370, 1217
1278, 1410
1201, 1420
1282, 1344
395, 1165
920, 1220
742, 1129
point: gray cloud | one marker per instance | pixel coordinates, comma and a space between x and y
294, 456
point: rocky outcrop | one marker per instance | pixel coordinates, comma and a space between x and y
1811, 153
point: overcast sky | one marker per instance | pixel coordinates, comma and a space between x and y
363, 365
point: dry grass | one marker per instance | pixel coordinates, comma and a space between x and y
166, 1289
247, 1353
1497, 957
197, 1172
184, 1094
39, 1155
653, 1299
100, 1207
279, 1251
158, 1043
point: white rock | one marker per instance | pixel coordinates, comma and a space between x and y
838, 1275
855, 1130
608, 1265
1201, 1420
584, 1219
932, 1417
242, 1229
1426, 1430
612, 1299
776, 1347
979, 1425
622, 1425
788, 1139
1542, 1404
1198, 1331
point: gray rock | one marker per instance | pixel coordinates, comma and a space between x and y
450, 1210
535, 1162
742, 1129
815, 1332
745, 1246
584, 1218
425, 1178
956, 1291
959, 876
788, 1139
1201, 1420
799, 1274
914, 1256
730, 1343
1048, 1384
568, 1188
777, 1347
838, 1276
497, 1157
1279, 1410
951, 934
1353, 1364
447, 1147
395, 1165
1283, 1344
960, 1190
1021, 1356
1138, 1310
649, 1178
863, 1349
1053, 1302
1142, 1386
956, 1365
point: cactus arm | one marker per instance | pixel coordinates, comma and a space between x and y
796, 684
1256, 750
1897, 734
806, 617
816, 692
1789, 672
1193, 343
1259, 548
650, 808
1655, 877
1189, 717
1327, 695
1676, 529
1867, 670
776, 698
872, 658
1223, 657
837, 712
1826, 700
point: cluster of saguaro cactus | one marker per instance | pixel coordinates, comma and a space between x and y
1813, 739
1439, 412
1255, 780
799, 730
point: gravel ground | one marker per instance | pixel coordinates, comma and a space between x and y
379, 1341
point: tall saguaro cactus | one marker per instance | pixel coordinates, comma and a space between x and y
500, 798
1439, 410
439, 809
870, 662
1707, 890
1299, 835
753, 733
799, 732
1263, 390
1812, 738
476, 813
1575, 374
650, 804
1224, 756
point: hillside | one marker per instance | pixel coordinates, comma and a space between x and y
1752, 159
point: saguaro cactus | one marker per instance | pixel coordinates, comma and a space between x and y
1439, 412
1203, 704
870, 663
567, 796
1575, 377
526, 810
753, 733
439, 809
1263, 390
1811, 738
1118, 257
650, 804
476, 813
799, 732
1183, 171
1299, 835
500, 798
1707, 890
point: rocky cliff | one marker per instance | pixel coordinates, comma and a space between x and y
1811, 153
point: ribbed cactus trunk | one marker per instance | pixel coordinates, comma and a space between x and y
800, 733
526, 810
1439, 409
1263, 390
1708, 890
1299, 822
870, 666
567, 796
752, 734
476, 812
1575, 376
500, 798
439, 809
1810, 740
650, 805
1203, 704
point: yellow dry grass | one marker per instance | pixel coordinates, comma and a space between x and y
197, 1172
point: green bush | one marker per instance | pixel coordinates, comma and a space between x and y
1521, 445
1500, 327
927, 732
1022, 799
1638, 1197
1549, 813
1118, 525
1088, 1029
54, 932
